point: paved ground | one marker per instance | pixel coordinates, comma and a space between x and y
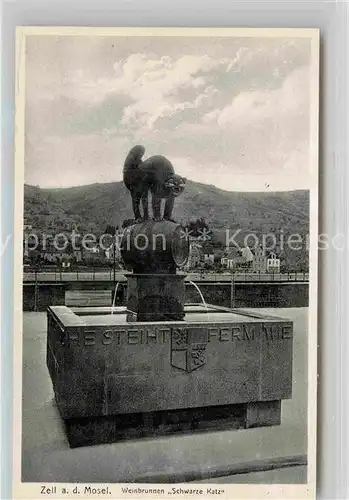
47, 456
289, 475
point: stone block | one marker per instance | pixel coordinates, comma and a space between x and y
155, 297
109, 371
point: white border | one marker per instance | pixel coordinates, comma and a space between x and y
30, 490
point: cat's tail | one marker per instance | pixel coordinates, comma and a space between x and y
134, 158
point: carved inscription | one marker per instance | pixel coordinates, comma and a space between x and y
232, 333
131, 336
179, 336
276, 331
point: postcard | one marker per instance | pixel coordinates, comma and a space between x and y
166, 282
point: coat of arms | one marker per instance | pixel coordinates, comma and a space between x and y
188, 348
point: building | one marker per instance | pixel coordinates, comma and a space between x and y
50, 257
51, 252
227, 255
109, 253
208, 253
265, 263
94, 255
196, 256
66, 262
26, 225
247, 255
54, 256
237, 258
273, 263
259, 260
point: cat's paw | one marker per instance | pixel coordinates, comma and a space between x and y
158, 219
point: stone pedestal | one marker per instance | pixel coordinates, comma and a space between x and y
153, 250
155, 297
101, 430
216, 369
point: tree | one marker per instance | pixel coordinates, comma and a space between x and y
218, 255
127, 223
197, 226
111, 229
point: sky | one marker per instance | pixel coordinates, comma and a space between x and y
232, 112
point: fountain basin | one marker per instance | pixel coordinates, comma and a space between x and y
103, 367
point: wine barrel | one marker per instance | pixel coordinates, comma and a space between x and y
155, 247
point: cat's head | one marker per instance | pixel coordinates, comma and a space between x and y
175, 185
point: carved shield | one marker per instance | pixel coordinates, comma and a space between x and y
188, 348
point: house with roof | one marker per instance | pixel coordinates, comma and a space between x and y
196, 255
50, 253
273, 263
208, 253
113, 249
94, 255
53, 255
259, 264
228, 257
265, 262
26, 225
237, 258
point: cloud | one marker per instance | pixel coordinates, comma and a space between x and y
223, 110
155, 84
261, 134
151, 85
254, 106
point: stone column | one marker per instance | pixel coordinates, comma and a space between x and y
154, 251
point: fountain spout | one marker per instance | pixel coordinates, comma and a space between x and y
202, 297
114, 298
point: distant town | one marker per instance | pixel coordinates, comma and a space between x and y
204, 254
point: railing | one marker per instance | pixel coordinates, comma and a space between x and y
252, 277
58, 275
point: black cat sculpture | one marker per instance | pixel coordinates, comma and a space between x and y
155, 174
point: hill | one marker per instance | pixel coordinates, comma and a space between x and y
91, 208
